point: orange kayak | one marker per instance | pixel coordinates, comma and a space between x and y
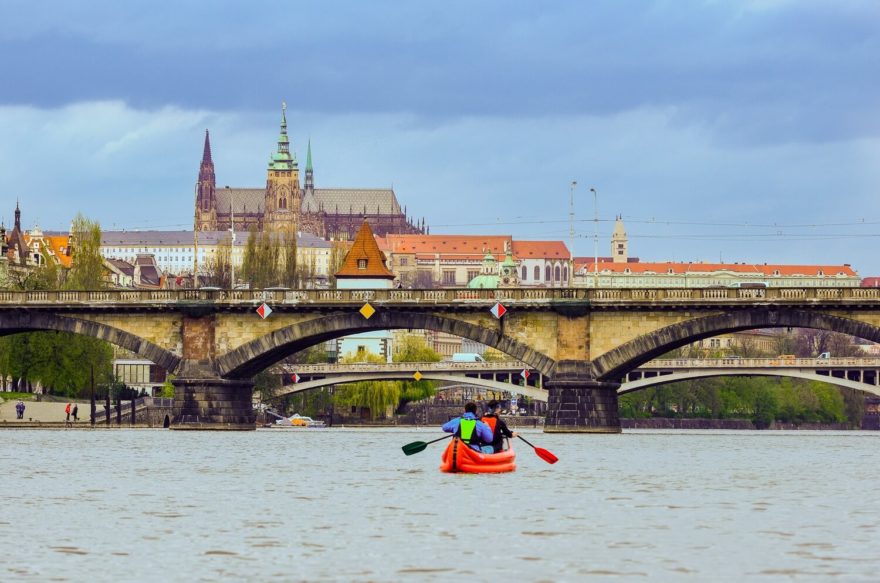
458, 457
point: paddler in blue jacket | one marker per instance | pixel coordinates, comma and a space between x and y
471, 430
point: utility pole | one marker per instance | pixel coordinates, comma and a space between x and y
196, 240
571, 233
232, 243
595, 237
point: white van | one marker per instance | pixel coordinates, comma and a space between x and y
467, 357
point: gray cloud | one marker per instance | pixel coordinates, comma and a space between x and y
802, 70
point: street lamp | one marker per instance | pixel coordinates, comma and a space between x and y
232, 241
595, 237
571, 233
196, 240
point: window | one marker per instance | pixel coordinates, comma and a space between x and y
525, 273
403, 261
362, 263
472, 273
547, 276
537, 273
565, 273
448, 277
557, 273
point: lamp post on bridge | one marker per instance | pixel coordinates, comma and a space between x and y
571, 233
595, 237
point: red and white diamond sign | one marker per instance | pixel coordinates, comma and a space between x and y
295, 378
498, 310
264, 310
524, 373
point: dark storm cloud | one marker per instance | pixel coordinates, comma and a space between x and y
777, 71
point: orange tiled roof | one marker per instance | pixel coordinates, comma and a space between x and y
540, 250
458, 244
57, 244
765, 270
364, 247
472, 246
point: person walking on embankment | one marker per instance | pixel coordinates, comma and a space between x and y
67, 412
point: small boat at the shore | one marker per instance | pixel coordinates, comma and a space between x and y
458, 457
300, 421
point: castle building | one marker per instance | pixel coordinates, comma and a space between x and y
284, 204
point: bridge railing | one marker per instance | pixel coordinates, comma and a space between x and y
428, 296
506, 366
856, 362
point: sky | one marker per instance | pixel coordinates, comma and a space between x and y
734, 131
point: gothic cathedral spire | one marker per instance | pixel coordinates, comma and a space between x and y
310, 178
206, 191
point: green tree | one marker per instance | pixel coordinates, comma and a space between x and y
218, 271
261, 265
414, 348
377, 396
249, 260
338, 251
62, 362
291, 271
87, 264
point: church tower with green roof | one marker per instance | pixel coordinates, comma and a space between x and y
283, 194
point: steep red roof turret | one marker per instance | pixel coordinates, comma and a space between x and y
364, 260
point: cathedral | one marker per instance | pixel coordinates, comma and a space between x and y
335, 213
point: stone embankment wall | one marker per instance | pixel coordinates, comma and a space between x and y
666, 423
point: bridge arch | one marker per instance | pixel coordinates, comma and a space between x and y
654, 381
533, 392
27, 321
617, 362
249, 359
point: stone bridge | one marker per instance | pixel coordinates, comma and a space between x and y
860, 373
584, 340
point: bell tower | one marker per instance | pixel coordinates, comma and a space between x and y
283, 194
619, 242
206, 191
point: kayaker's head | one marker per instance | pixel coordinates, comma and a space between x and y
492, 406
470, 407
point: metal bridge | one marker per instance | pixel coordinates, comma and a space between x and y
862, 374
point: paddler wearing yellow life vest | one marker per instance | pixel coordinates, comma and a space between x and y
469, 429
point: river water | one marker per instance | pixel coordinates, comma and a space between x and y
347, 505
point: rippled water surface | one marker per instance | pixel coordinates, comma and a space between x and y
289, 505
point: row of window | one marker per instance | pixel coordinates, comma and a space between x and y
556, 274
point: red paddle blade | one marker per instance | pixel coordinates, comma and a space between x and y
546, 455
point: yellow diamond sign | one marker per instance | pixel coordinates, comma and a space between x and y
417, 375
367, 310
